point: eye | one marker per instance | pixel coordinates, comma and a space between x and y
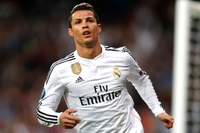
91, 20
77, 22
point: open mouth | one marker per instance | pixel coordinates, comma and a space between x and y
86, 33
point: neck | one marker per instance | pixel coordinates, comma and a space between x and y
89, 52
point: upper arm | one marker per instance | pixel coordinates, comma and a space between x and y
53, 91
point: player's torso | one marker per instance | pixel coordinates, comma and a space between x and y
96, 89
95, 81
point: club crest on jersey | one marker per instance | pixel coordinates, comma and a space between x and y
76, 68
116, 72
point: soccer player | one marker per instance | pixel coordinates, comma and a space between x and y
92, 81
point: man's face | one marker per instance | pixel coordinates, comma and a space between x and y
84, 29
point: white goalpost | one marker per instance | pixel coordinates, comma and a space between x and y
186, 68
180, 67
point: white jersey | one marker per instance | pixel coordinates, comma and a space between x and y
96, 88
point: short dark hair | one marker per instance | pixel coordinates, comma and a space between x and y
82, 6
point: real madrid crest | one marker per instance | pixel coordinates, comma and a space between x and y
116, 72
76, 68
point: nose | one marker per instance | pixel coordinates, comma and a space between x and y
85, 25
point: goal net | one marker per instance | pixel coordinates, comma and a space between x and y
186, 82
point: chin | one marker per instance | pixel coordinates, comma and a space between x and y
89, 42
89, 45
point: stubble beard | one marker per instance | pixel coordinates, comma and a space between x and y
90, 44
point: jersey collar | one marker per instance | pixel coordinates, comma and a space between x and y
100, 56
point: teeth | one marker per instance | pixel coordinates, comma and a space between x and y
86, 33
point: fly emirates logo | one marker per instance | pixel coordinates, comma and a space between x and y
100, 98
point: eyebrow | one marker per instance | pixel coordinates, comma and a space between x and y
81, 18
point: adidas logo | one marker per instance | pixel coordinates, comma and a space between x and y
79, 79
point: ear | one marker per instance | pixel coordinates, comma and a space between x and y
70, 32
99, 27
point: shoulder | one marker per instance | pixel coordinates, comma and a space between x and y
122, 50
115, 49
61, 64
66, 60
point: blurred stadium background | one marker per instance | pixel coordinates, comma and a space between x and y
33, 34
